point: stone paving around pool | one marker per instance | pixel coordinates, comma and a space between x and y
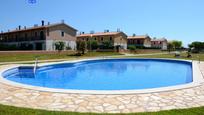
182, 98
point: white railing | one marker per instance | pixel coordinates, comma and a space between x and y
36, 65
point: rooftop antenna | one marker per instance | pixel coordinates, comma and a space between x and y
92, 32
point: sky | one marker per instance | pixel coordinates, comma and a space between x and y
173, 19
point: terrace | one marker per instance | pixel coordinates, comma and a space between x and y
103, 103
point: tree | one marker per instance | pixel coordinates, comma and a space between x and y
59, 45
107, 45
170, 46
92, 45
196, 46
177, 44
81, 47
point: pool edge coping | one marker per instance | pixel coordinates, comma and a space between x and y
197, 80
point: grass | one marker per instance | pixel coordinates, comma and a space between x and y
10, 110
183, 56
30, 57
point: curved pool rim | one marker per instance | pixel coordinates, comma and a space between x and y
197, 79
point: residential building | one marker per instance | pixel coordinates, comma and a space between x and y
116, 38
41, 37
159, 43
139, 41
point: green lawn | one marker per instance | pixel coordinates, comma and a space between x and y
10, 110
30, 57
183, 56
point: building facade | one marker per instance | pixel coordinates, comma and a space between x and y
159, 43
116, 38
41, 37
139, 41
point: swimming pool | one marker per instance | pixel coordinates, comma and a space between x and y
106, 74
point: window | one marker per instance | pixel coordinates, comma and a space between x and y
62, 34
111, 38
16, 38
87, 39
36, 34
94, 38
26, 35
101, 38
6, 39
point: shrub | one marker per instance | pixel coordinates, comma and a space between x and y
81, 47
106, 45
131, 47
59, 45
68, 48
94, 45
4, 47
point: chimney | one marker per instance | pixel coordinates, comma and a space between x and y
118, 30
43, 22
48, 23
19, 27
24, 27
62, 21
35, 25
8, 30
105, 31
2, 31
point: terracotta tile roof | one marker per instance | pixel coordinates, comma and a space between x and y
99, 34
38, 27
161, 40
138, 37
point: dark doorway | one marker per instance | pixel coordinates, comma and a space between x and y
41, 35
38, 46
118, 48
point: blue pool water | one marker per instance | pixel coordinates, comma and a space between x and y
109, 74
